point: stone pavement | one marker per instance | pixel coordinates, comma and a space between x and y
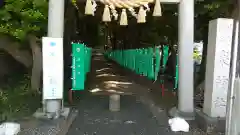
134, 118
138, 114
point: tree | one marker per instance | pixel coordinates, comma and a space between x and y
206, 11
22, 24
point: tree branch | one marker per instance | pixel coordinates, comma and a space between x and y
12, 47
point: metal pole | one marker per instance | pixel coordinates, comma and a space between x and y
234, 78
55, 29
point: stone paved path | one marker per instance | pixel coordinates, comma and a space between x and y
94, 118
134, 118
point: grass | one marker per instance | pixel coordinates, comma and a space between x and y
17, 100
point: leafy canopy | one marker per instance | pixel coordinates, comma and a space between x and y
20, 17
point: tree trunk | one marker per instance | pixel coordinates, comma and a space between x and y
33, 61
201, 77
37, 64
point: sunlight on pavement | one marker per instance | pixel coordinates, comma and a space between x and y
100, 70
104, 75
117, 83
95, 90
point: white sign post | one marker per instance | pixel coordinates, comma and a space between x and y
52, 52
218, 65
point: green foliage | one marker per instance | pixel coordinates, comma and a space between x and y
17, 100
208, 10
20, 17
197, 55
218, 8
74, 2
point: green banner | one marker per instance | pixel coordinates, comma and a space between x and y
81, 59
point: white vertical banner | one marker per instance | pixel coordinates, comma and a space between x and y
52, 53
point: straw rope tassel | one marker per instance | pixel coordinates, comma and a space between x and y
141, 15
157, 9
123, 19
106, 14
89, 8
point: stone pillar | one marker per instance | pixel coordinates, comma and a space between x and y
233, 100
212, 117
55, 30
185, 107
114, 102
217, 68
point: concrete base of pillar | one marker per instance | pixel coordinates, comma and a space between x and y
40, 114
209, 124
114, 102
174, 112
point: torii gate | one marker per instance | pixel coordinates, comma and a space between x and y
185, 106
